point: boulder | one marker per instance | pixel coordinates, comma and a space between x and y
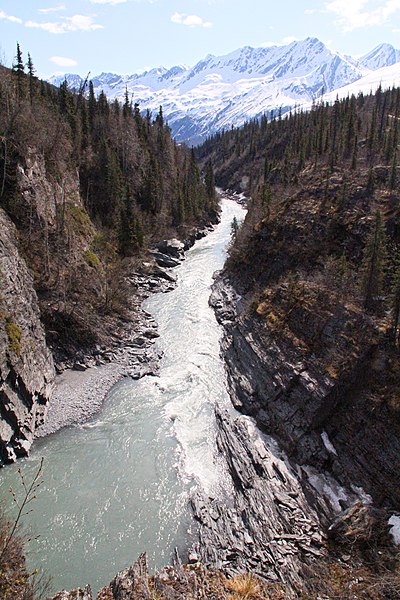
77, 594
165, 260
172, 247
361, 525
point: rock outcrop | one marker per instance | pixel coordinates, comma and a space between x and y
268, 525
26, 364
177, 582
319, 405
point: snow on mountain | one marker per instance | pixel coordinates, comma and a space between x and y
383, 55
74, 81
386, 77
221, 91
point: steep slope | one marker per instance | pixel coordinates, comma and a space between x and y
384, 77
312, 350
26, 365
383, 55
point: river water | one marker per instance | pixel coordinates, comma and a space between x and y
120, 484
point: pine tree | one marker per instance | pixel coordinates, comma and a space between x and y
130, 234
393, 173
354, 154
395, 303
32, 78
92, 106
234, 228
127, 107
209, 180
374, 263
19, 71
370, 182
266, 199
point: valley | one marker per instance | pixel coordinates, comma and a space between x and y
211, 376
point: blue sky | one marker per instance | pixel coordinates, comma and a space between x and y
127, 36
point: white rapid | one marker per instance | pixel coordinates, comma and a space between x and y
120, 484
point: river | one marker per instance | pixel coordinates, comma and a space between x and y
119, 485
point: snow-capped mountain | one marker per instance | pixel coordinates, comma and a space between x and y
221, 91
385, 77
383, 55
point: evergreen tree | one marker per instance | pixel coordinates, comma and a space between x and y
127, 107
234, 228
210, 181
374, 263
130, 235
32, 78
395, 303
266, 199
92, 105
19, 71
393, 173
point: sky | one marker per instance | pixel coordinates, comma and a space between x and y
129, 36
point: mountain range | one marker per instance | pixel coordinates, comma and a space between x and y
224, 91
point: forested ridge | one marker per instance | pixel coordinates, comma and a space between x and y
325, 190
89, 184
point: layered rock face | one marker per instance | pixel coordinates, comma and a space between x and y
322, 406
267, 525
26, 364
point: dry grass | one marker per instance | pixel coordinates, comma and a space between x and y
341, 581
245, 586
14, 578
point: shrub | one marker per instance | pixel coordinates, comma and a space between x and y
14, 335
92, 259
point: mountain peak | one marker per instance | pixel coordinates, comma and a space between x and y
382, 55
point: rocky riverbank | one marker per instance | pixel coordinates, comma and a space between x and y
83, 383
289, 492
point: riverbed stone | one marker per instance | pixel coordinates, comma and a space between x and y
164, 260
172, 247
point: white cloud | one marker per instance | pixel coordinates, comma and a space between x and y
63, 61
52, 9
361, 13
74, 23
190, 20
289, 39
6, 17
112, 2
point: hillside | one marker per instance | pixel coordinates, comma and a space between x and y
87, 185
309, 298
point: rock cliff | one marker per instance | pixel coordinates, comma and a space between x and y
26, 364
321, 405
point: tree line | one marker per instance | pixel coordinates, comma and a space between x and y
344, 159
105, 181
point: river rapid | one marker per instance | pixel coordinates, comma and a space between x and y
119, 485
